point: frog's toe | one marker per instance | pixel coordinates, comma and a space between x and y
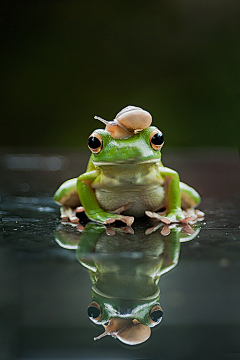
167, 221
128, 220
152, 215
67, 213
200, 214
188, 229
110, 221
109, 218
193, 215
111, 230
64, 213
165, 230
79, 209
170, 218
157, 216
80, 227
122, 208
188, 219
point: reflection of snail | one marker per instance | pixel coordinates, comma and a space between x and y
127, 330
130, 332
128, 121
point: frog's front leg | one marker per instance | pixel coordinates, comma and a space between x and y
173, 212
91, 206
189, 200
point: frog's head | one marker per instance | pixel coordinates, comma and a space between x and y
131, 326
142, 147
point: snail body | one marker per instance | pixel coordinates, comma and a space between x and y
128, 331
127, 122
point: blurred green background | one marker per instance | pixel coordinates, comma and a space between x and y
63, 62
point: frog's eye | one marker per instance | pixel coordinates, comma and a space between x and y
95, 143
94, 311
155, 315
156, 139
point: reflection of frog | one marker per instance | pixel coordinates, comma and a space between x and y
125, 175
125, 274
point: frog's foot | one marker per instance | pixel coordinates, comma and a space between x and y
125, 230
172, 217
67, 213
195, 214
128, 220
122, 208
185, 227
108, 218
153, 228
166, 228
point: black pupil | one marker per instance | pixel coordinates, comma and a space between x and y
156, 315
157, 139
94, 142
93, 312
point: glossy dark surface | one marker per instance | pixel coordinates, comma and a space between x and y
45, 291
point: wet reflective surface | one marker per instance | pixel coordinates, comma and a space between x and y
53, 274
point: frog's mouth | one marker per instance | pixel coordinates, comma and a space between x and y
127, 162
145, 297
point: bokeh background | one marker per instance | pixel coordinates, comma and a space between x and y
62, 62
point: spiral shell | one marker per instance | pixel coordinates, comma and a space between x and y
128, 121
128, 331
134, 118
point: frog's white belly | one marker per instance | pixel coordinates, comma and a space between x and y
137, 201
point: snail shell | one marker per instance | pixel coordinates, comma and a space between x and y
134, 118
128, 331
128, 121
134, 333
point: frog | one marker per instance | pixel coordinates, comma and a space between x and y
125, 177
125, 268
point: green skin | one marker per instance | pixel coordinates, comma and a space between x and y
127, 176
125, 281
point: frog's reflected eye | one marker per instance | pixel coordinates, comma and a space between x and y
156, 139
95, 142
155, 315
94, 311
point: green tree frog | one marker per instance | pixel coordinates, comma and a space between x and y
125, 177
125, 268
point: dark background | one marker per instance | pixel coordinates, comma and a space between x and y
63, 62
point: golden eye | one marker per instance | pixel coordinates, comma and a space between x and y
156, 139
94, 311
155, 315
95, 142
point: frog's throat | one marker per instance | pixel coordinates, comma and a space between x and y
107, 296
129, 161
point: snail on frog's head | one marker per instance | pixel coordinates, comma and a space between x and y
127, 122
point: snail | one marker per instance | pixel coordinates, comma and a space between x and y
127, 122
128, 331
